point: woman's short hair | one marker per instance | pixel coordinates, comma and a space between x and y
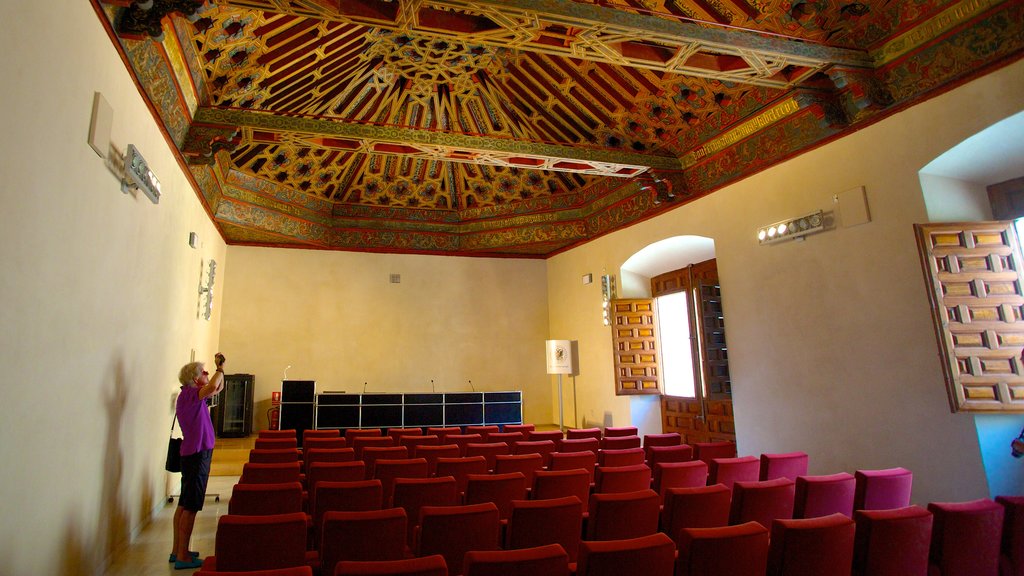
190, 372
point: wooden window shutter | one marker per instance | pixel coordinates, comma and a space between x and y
715, 355
973, 273
635, 344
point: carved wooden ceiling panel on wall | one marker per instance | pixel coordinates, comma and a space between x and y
519, 127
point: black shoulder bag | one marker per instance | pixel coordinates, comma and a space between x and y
173, 450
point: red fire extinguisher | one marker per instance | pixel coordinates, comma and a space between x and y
274, 414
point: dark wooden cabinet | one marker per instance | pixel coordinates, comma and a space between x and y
232, 414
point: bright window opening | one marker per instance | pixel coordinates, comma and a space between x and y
677, 354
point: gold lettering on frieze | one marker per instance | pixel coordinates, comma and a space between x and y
262, 201
934, 26
740, 132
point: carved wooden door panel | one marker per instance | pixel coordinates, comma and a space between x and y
635, 345
973, 273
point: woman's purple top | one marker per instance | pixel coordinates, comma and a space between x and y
194, 420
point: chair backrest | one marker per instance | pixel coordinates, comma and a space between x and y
293, 571
1013, 534
665, 439
245, 543
882, 489
387, 471
509, 438
288, 433
539, 522
276, 443
658, 454
691, 474
626, 457
433, 565
333, 472
264, 499
966, 538
488, 450
701, 507
461, 440
311, 456
594, 433
367, 535
359, 496
316, 443
273, 455
443, 432
652, 555
708, 451
740, 550
255, 473
620, 442
892, 542
524, 428
501, 489
451, 531
823, 495
623, 515
361, 443
411, 442
561, 483
431, 453
537, 435
460, 469
483, 431
373, 453
585, 460
822, 546
309, 434
398, 433
353, 433
578, 445
788, 465
412, 494
762, 501
543, 447
527, 464
728, 470
621, 431
622, 479
548, 560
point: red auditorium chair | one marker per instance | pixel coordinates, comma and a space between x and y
500, 489
652, 555
966, 538
483, 431
740, 550
892, 542
246, 543
728, 470
264, 499
461, 440
543, 447
307, 435
273, 456
561, 483
620, 442
373, 453
692, 474
314, 455
623, 479
882, 489
508, 438
333, 472
574, 433
539, 522
707, 451
443, 432
296, 571
762, 501
425, 566
666, 439
361, 443
820, 546
451, 531
254, 473
823, 495
489, 450
358, 496
621, 431
460, 468
314, 443
1012, 557
787, 465
276, 443
353, 433
411, 442
622, 515
387, 471
701, 507
548, 560
398, 433
585, 460
523, 428
412, 494
433, 453
578, 445
538, 435
658, 454
527, 464
288, 433
367, 535
614, 458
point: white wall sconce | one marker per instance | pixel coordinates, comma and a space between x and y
206, 292
607, 295
792, 228
138, 177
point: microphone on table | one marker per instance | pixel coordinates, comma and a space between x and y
471, 386
364, 387
432, 385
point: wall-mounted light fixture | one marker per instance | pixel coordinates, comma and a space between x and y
206, 292
792, 228
607, 295
138, 177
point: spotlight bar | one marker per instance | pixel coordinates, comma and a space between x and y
791, 228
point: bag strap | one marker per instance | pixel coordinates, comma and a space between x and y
173, 422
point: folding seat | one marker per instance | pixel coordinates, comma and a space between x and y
501, 489
412, 494
443, 432
707, 451
620, 442
578, 445
289, 433
509, 438
823, 495
543, 447
483, 431
548, 560
621, 431
360, 496
666, 439
307, 435
373, 453
247, 543
652, 555
461, 440
264, 499
295, 571
425, 566
691, 474
892, 542
729, 470
762, 501
561, 483
460, 469
586, 460
527, 464
254, 473
537, 435
1012, 557
361, 443
397, 434
387, 471
966, 538
488, 450
432, 453
539, 522
622, 515
574, 433
315, 443
820, 546
523, 428
276, 443
613, 458
411, 442
451, 531
273, 456
362, 536
788, 465
740, 550
700, 507
882, 489
353, 433
623, 479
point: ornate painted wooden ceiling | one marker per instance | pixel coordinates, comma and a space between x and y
519, 127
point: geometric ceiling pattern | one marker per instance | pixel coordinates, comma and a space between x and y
520, 127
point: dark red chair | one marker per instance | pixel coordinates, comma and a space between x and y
522, 428
359, 496
461, 440
353, 433
621, 431
652, 555
615, 458
527, 464
707, 451
460, 469
387, 471
966, 538
296, 571
585, 460
620, 442
432, 453
664, 454
762, 501
500, 489
508, 438
360, 443
692, 474
574, 433
451, 531
1012, 557
622, 515
276, 443
362, 536
740, 550
310, 434
398, 433
265, 499
538, 435
412, 494
425, 566
539, 522
820, 546
483, 431
314, 443
247, 543
728, 470
548, 560
622, 479
411, 442
254, 473
578, 445
274, 456
823, 495
701, 507
660, 440
443, 432
543, 447
373, 453
288, 433
788, 465
311, 456
489, 450
892, 542
333, 472
882, 489
561, 483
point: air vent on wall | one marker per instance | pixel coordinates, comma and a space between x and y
396, 278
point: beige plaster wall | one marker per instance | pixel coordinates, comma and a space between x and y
99, 299
336, 318
831, 344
